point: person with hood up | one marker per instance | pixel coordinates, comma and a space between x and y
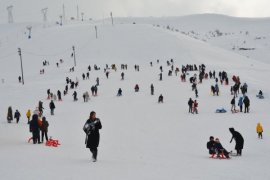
239, 141
28, 115
240, 103
259, 130
17, 116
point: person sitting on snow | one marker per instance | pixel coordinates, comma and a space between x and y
211, 145
220, 149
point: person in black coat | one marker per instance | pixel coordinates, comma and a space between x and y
246, 102
59, 95
91, 128
211, 145
190, 103
17, 116
52, 107
239, 141
34, 128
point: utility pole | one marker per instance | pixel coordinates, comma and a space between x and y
10, 16
64, 13
96, 32
29, 28
82, 15
20, 54
78, 13
44, 12
61, 20
73, 48
112, 17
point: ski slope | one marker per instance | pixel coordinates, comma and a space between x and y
140, 138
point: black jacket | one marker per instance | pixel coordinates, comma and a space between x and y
211, 146
91, 128
239, 140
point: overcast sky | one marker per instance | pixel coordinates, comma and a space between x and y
29, 10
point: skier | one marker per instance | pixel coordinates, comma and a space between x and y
83, 76
190, 103
239, 141
52, 107
17, 116
152, 89
44, 129
9, 114
91, 128
122, 76
259, 130
28, 115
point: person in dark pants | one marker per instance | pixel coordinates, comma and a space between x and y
44, 129
17, 116
246, 102
34, 128
220, 149
91, 128
52, 107
190, 103
211, 145
239, 141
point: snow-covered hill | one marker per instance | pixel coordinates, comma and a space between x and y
140, 138
245, 36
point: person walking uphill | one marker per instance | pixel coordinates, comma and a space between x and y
91, 129
239, 141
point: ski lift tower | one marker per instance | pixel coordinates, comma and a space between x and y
44, 12
10, 16
29, 28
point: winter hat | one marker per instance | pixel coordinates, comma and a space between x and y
43, 118
231, 129
211, 137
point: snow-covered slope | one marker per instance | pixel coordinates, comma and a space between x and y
227, 32
140, 138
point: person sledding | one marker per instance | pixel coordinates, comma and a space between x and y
260, 95
220, 150
216, 150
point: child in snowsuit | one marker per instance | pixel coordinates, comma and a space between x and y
28, 115
259, 130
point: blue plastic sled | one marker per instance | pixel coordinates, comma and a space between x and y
222, 110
